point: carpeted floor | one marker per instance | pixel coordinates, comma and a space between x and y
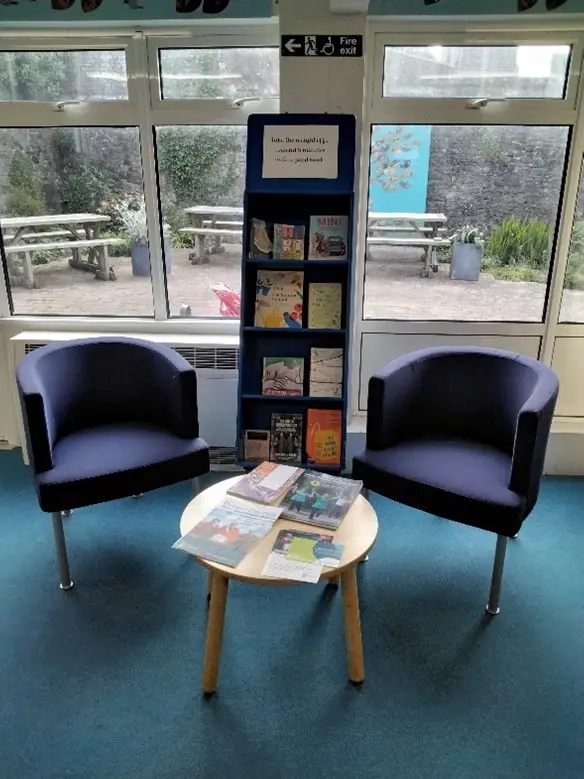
104, 681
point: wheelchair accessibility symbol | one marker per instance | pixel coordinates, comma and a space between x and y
328, 49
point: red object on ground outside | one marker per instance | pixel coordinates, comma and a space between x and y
230, 301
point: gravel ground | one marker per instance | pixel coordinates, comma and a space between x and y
393, 287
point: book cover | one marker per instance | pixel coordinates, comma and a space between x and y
283, 376
229, 531
286, 440
324, 436
324, 305
256, 445
326, 373
302, 556
320, 499
260, 243
328, 238
279, 299
266, 483
288, 242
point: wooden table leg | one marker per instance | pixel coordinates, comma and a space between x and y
352, 626
214, 638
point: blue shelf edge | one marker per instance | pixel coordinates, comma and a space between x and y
295, 330
307, 466
293, 398
270, 263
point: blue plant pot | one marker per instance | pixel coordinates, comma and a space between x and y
141, 259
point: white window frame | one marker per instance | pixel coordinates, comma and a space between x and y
145, 110
545, 111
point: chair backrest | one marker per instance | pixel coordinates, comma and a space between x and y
469, 393
99, 381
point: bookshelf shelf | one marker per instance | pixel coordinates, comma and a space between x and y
317, 214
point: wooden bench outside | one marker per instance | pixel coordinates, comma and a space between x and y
428, 244
221, 223
50, 234
98, 245
407, 229
200, 233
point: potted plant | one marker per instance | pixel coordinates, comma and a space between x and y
467, 254
132, 214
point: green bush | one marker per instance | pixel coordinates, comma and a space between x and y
123, 249
524, 242
19, 202
575, 267
517, 273
24, 193
181, 241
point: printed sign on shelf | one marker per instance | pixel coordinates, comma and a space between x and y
322, 46
301, 152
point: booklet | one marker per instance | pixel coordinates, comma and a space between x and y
266, 484
320, 499
301, 556
228, 532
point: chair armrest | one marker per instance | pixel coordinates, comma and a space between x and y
178, 391
531, 437
392, 393
38, 422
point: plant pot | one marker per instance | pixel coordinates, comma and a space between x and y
466, 262
141, 259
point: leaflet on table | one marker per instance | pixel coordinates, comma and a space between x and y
320, 499
229, 531
266, 483
301, 556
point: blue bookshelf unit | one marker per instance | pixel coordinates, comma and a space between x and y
284, 187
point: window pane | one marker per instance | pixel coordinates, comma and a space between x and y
63, 75
476, 71
201, 171
71, 213
426, 183
203, 74
573, 297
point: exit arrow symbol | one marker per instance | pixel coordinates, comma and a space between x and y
291, 46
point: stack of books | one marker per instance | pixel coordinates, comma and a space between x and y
254, 503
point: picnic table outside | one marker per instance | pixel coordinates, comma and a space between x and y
215, 222
409, 229
24, 235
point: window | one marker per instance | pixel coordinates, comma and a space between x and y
63, 75
504, 181
146, 141
201, 171
80, 186
573, 297
203, 74
497, 72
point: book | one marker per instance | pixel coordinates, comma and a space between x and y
283, 376
266, 484
260, 243
229, 531
279, 299
256, 445
324, 305
288, 242
324, 436
301, 556
320, 499
329, 236
286, 440
326, 373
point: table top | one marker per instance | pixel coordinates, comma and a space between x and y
51, 219
398, 217
219, 210
357, 533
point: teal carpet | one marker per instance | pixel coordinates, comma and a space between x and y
104, 681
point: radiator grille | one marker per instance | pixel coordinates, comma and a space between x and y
202, 357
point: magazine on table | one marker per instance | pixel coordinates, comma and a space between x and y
229, 531
266, 484
320, 499
301, 556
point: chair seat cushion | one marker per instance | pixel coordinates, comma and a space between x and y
464, 481
108, 462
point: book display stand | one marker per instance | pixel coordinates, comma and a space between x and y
296, 290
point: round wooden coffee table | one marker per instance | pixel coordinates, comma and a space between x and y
357, 533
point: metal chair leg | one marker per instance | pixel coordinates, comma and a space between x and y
66, 583
67, 513
196, 486
493, 604
365, 492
